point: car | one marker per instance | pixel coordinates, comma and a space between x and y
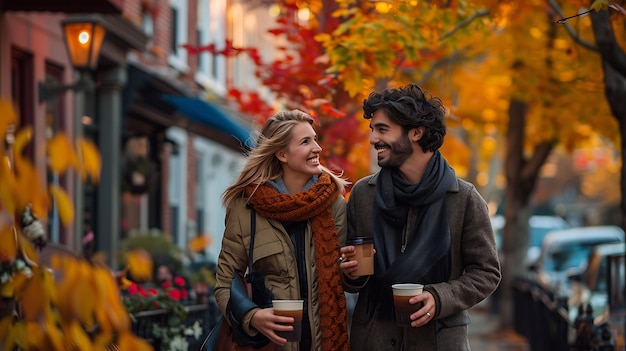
566, 251
591, 286
538, 227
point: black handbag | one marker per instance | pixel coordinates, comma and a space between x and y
247, 291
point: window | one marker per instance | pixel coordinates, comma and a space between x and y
174, 34
175, 195
211, 28
178, 57
22, 87
200, 194
177, 187
55, 124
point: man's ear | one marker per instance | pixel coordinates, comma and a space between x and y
415, 134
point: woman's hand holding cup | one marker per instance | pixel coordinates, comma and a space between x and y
357, 259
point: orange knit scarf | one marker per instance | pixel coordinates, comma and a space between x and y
314, 205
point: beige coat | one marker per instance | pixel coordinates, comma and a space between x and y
475, 274
274, 257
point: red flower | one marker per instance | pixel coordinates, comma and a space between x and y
166, 285
142, 292
133, 289
154, 292
184, 294
175, 294
179, 281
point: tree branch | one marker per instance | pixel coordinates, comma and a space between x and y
569, 29
531, 167
465, 23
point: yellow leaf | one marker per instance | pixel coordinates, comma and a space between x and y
90, 160
48, 284
54, 339
7, 289
102, 341
70, 271
35, 338
8, 244
64, 204
129, 342
19, 281
322, 37
8, 186
125, 283
22, 137
8, 116
5, 327
599, 5
60, 154
15, 336
85, 288
139, 264
199, 243
33, 302
28, 251
79, 337
115, 317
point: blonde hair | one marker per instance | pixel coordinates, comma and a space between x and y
262, 164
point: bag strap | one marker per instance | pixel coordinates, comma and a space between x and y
252, 234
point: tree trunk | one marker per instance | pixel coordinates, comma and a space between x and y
521, 175
614, 68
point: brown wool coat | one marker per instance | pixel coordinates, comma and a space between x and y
274, 257
475, 275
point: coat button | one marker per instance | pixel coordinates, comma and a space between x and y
393, 342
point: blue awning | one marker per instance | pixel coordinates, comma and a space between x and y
204, 112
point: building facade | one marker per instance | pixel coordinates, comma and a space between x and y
169, 142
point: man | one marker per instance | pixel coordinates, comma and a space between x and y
429, 227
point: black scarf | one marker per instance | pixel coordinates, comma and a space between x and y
426, 259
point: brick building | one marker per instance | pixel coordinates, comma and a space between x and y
170, 144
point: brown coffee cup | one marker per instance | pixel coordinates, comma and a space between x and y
290, 308
402, 293
364, 254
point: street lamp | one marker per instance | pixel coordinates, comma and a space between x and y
83, 40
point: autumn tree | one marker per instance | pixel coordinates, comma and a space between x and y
517, 75
55, 303
299, 78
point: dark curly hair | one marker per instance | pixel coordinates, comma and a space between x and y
411, 107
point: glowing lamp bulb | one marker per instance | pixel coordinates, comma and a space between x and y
83, 37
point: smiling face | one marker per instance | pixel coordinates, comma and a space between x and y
301, 159
393, 146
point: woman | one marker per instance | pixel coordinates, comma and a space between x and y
300, 226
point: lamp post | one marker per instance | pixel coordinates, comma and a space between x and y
83, 40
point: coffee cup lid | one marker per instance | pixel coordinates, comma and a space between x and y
359, 240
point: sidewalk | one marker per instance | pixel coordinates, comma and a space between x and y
484, 333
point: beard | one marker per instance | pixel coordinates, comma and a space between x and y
399, 151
